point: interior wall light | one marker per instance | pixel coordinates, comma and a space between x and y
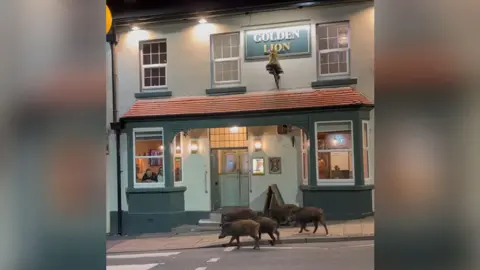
202, 21
193, 146
135, 28
257, 144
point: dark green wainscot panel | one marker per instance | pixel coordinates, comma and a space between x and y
341, 202
155, 210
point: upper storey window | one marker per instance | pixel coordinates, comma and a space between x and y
154, 64
226, 58
333, 49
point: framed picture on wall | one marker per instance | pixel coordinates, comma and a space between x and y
275, 165
258, 166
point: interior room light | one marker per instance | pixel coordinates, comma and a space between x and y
202, 21
234, 129
135, 28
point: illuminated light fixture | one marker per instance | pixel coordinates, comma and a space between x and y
234, 129
202, 21
135, 28
257, 144
161, 147
193, 146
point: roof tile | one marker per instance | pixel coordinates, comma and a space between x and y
256, 101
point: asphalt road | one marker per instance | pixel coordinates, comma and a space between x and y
356, 255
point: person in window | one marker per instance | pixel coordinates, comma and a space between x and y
160, 175
149, 176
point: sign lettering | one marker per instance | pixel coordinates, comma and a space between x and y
293, 40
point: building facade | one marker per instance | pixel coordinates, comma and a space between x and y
204, 126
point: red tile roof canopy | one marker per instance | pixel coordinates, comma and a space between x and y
250, 102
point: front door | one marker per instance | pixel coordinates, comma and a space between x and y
233, 181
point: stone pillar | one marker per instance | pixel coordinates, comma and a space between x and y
168, 137
312, 158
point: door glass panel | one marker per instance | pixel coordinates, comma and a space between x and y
230, 164
245, 162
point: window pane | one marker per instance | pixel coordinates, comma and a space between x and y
148, 143
163, 58
162, 71
146, 59
342, 56
234, 40
235, 51
334, 140
146, 48
148, 72
155, 58
333, 68
335, 165
147, 82
334, 126
149, 170
366, 172
163, 81
218, 72
333, 43
154, 47
155, 72
178, 169
155, 81
343, 67
178, 144
321, 31
304, 165
163, 47
324, 69
365, 135
323, 44
217, 50
234, 75
333, 57
226, 76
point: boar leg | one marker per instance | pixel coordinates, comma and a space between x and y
231, 240
322, 221
278, 234
238, 242
272, 242
303, 227
315, 223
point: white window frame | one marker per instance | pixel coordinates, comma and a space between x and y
180, 155
214, 61
143, 67
369, 179
304, 150
154, 184
320, 52
335, 182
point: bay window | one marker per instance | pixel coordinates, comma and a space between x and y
177, 158
148, 148
366, 151
334, 152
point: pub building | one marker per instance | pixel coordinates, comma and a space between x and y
204, 127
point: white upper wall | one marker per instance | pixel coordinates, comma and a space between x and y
189, 59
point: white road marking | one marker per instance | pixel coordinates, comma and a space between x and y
213, 260
228, 249
142, 255
200, 268
132, 267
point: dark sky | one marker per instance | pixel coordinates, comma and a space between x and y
124, 6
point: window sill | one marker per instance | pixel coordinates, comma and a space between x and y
337, 82
231, 90
156, 189
154, 93
336, 182
336, 188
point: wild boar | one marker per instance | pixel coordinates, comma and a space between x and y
269, 226
238, 214
236, 229
308, 214
282, 213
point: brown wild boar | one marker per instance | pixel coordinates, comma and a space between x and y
282, 213
308, 214
236, 229
268, 226
238, 214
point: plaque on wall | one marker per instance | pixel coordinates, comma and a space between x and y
275, 165
258, 167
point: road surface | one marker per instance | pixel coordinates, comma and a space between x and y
356, 255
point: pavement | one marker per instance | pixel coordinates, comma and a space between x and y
361, 229
356, 255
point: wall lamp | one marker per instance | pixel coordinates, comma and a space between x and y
193, 146
257, 144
